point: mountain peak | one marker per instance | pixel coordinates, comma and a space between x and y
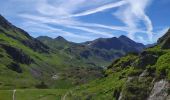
4, 23
114, 43
1, 17
165, 40
123, 36
43, 37
60, 38
169, 30
164, 37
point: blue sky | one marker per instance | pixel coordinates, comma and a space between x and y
83, 20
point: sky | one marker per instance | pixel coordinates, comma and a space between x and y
143, 21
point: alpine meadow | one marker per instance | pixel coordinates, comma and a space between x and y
84, 50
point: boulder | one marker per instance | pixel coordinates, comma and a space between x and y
160, 91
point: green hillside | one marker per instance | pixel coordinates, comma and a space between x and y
25, 62
132, 77
56, 69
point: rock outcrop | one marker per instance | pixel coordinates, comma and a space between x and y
15, 67
160, 90
17, 54
147, 58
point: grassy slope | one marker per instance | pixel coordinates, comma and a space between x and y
8, 76
12, 79
115, 80
5, 95
79, 52
118, 78
49, 64
45, 65
104, 88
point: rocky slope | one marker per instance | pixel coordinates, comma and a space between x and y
144, 76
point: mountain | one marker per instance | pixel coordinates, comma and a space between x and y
44, 62
56, 43
29, 63
78, 52
25, 62
23, 37
122, 43
165, 41
60, 38
138, 47
144, 76
23, 59
102, 49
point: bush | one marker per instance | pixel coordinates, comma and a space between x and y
163, 65
42, 85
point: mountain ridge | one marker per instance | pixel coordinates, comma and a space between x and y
24, 58
96, 49
144, 76
116, 43
121, 40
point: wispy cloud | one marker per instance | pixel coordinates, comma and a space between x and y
132, 14
159, 33
69, 24
35, 28
91, 31
100, 9
68, 14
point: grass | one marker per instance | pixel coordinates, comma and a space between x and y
117, 75
163, 65
33, 94
5, 95
60, 62
100, 89
45, 65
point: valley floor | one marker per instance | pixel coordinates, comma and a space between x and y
32, 94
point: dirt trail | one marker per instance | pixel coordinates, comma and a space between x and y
13, 96
64, 97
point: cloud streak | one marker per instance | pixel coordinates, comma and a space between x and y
99, 9
35, 27
72, 24
68, 14
132, 14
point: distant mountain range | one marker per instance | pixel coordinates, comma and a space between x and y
36, 60
107, 48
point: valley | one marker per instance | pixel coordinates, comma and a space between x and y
27, 62
45, 68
